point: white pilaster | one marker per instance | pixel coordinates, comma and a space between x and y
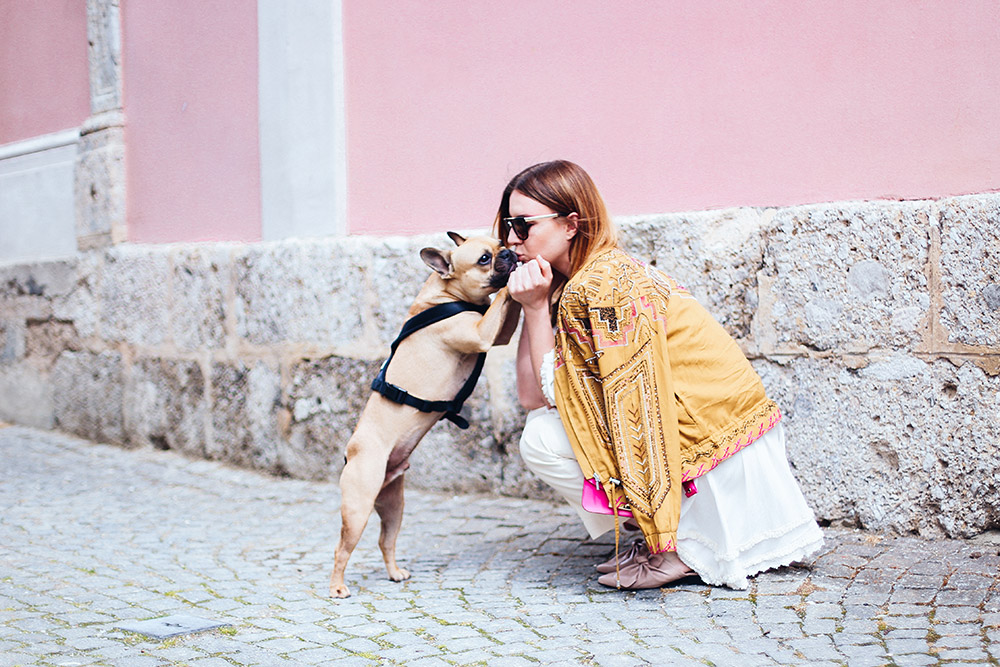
302, 130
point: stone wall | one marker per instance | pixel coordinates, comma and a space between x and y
875, 325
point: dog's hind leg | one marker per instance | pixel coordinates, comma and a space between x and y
359, 486
389, 506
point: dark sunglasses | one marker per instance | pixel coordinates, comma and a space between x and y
521, 226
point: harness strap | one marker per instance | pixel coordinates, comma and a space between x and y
419, 321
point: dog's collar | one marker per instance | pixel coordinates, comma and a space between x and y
423, 319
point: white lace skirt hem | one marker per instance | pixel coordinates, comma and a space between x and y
749, 515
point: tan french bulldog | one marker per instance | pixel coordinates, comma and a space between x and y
434, 364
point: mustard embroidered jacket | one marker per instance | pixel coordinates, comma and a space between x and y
651, 389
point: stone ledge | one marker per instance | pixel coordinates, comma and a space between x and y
858, 315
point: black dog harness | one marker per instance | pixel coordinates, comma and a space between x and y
423, 319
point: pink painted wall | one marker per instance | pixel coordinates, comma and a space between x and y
670, 105
44, 77
190, 86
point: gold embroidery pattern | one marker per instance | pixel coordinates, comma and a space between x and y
628, 417
637, 431
608, 318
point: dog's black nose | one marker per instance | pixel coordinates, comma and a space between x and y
503, 265
506, 261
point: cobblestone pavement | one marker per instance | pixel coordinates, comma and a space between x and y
93, 536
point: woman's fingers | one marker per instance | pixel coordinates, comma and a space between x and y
535, 274
529, 283
544, 267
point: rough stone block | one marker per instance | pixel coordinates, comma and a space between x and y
507, 421
134, 295
11, 341
87, 395
715, 254
201, 277
26, 395
970, 259
300, 292
165, 405
78, 303
483, 458
454, 460
245, 403
848, 277
900, 445
325, 398
323, 401
47, 280
46, 339
100, 183
395, 275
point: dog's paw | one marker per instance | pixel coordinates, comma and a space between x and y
399, 574
340, 591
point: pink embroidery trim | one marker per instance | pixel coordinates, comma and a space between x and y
735, 447
660, 547
578, 335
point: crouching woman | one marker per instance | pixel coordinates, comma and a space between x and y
630, 383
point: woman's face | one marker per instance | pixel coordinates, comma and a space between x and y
551, 238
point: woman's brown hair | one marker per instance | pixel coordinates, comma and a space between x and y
565, 188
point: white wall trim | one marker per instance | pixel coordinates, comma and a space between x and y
37, 198
40, 143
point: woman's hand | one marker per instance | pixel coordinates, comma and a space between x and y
531, 283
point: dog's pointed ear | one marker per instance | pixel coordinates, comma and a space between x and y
439, 260
456, 237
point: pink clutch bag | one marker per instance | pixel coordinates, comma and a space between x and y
596, 501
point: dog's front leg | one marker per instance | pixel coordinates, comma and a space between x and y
510, 312
389, 506
488, 330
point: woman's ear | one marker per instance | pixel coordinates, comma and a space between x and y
572, 225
